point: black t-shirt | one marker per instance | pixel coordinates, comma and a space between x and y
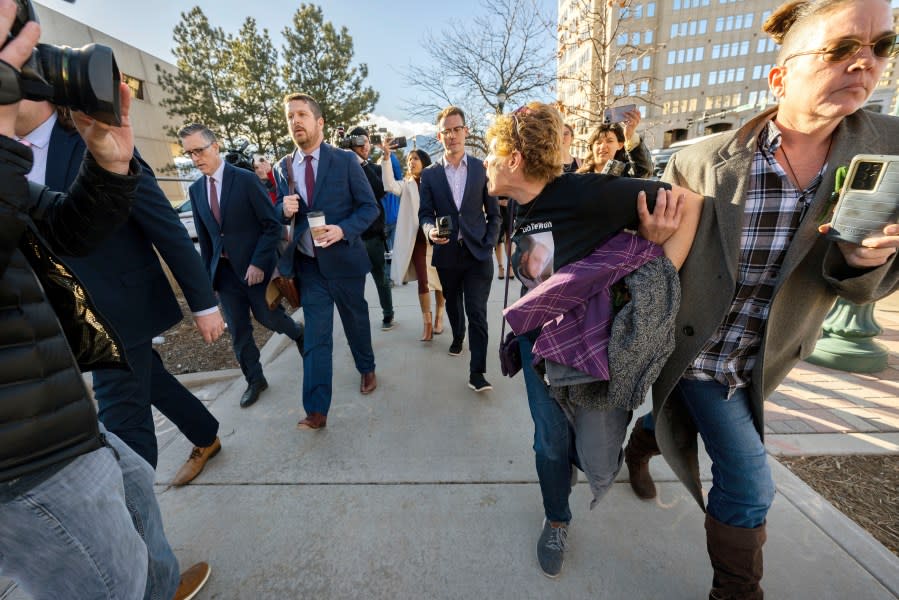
574, 214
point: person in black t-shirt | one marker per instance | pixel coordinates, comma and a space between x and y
561, 218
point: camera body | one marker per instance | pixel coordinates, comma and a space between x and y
869, 199
444, 226
238, 156
614, 167
85, 79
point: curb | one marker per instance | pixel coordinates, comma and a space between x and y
871, 555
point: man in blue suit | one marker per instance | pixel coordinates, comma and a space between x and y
124, 277
238, 234
331, 269
456, 187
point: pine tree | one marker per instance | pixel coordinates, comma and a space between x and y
317, 61
203, 89
258, 90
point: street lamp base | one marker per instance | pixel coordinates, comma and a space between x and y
856, 355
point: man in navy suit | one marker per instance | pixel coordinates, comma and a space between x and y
238, 234
124, 277
456, 187
331, 269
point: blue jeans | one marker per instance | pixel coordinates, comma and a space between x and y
742, 488
77, 534
554, 449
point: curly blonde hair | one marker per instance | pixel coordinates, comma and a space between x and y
535, 131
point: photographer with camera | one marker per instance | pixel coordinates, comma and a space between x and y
103, 537
375, 237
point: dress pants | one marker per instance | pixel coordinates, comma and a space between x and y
124, 400
238, 300
375, 247
320, 296
467, 286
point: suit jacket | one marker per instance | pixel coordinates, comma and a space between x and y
813, 273
123, 274
249, 231
342, 192
478, 220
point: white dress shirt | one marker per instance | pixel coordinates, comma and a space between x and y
39, 140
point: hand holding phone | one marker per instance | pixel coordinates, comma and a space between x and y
869, 200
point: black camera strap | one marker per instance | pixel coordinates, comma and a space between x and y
512, 210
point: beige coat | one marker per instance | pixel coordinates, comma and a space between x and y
401, 267
812, 276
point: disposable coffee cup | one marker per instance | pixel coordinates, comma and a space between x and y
316, 219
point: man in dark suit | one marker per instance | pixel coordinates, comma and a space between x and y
238, 234
124, 277
331, 269
456, 187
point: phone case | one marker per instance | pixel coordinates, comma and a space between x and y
869, 199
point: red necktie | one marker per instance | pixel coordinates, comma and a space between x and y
310, 181
214, 201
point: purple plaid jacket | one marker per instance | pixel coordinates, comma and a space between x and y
574, 306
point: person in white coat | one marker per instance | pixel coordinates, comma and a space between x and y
411, 251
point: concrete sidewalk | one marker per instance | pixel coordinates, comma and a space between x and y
425, 489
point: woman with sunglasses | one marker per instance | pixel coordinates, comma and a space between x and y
761, 277
560, 220
411, 252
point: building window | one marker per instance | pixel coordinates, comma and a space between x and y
647, 62
136, 85
647, 36
651, 9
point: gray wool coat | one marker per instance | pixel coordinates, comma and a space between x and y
813, 275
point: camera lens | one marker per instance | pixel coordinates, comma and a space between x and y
866, 175
85, 79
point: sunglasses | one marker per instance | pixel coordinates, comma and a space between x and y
884, 47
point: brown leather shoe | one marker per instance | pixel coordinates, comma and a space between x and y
195, 463
369, 383
313, 421
192, 580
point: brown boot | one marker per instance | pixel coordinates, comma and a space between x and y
736, 555
438, 312
640, 448
424, 301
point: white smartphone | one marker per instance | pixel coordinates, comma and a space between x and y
869, 200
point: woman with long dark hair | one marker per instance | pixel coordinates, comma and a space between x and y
411, 252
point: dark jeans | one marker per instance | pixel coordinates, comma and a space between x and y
375, 247
468, 285
320, 296
554, 449
238, 300
124, 400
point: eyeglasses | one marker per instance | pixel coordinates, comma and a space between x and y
884, 47
452, 131
196, 151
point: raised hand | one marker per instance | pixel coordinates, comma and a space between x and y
112, 147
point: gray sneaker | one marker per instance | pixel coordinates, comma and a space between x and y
551, 549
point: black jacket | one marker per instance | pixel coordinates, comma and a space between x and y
373, 174
49, 326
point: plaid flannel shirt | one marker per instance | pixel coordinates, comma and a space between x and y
574, 306
774, 209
